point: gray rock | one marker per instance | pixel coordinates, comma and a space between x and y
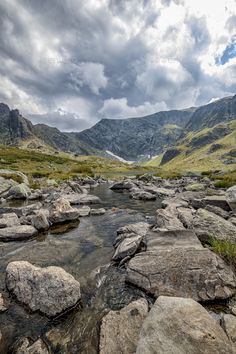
100, 211
9, 173
62, 212
8, 220
21, 191
165, 220
27, 347
40, 220
84, 211
181, 326
195, 187
6, 184
127, 247
196, 273
120, 329
3, 305
208, 225
17, 233
218, 211
232, 220
160, 192
218, 201
142, 195
81, 199
185, 215
229, 325
231, 197
123, 185
50, 290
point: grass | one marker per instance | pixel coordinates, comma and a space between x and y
225, 249
12, 176
223, 184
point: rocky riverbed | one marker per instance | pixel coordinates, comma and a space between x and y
95, 266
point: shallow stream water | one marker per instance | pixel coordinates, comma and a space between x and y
84, 250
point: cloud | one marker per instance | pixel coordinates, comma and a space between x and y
111, 58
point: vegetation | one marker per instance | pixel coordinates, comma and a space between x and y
226, 249
13, 176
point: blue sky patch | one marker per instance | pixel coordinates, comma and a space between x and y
228, 53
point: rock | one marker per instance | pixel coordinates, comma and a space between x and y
187, 272
8, 220
232, 220
21, 191
127, 247
185, 215
6, 184
84, 211
120, 329
229, 325
181, 326
218, 211
100, 211
3, 306
18, 175
62, 212
208, 225
138, 228
231, 197
17, 233
125, 184
50, 290
165, 220
142, 195
160, 192
195, 187
40, 220
27, 347
81, 199
218, 201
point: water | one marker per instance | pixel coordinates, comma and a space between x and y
84, 250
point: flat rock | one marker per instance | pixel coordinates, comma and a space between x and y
99, 211
167, 220
50, 290
142, 195
119, 331
208, 225
218, 201
181, 326
81, 199
186, 272
8, 220
17, 233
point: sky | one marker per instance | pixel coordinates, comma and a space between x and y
69, 63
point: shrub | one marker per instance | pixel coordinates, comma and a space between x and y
223, 184
226, 249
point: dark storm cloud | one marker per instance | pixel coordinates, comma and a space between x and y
97, 57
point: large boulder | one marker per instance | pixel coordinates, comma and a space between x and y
62, 211
231, 197
186, 272
21, 191
120, 329
50, 290
17, 233
181, 326
208, 225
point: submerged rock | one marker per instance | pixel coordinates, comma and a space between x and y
120, 329
181, 326
50, 290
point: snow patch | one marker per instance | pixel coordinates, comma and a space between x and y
118, 157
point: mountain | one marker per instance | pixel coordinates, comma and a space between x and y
148, 136
15, 130
133, 138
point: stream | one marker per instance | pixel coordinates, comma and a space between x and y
84, 249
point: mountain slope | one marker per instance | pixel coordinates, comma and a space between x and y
134, 137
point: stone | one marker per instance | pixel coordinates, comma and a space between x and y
50, 290
218, 211
208, 225
25, 346
21, 191
119, 331
125, 184
99, 211
142, 195
84, 211
138, 228
160, 192
17, 233
186, 272
218, 201
62, 211
127, 247
181, 326
166, 220
232, 220
19, 175
8, 220
195, 187
185, 215
40, 220
3, 306
81, 199
6, 184
231, 197
229, 325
